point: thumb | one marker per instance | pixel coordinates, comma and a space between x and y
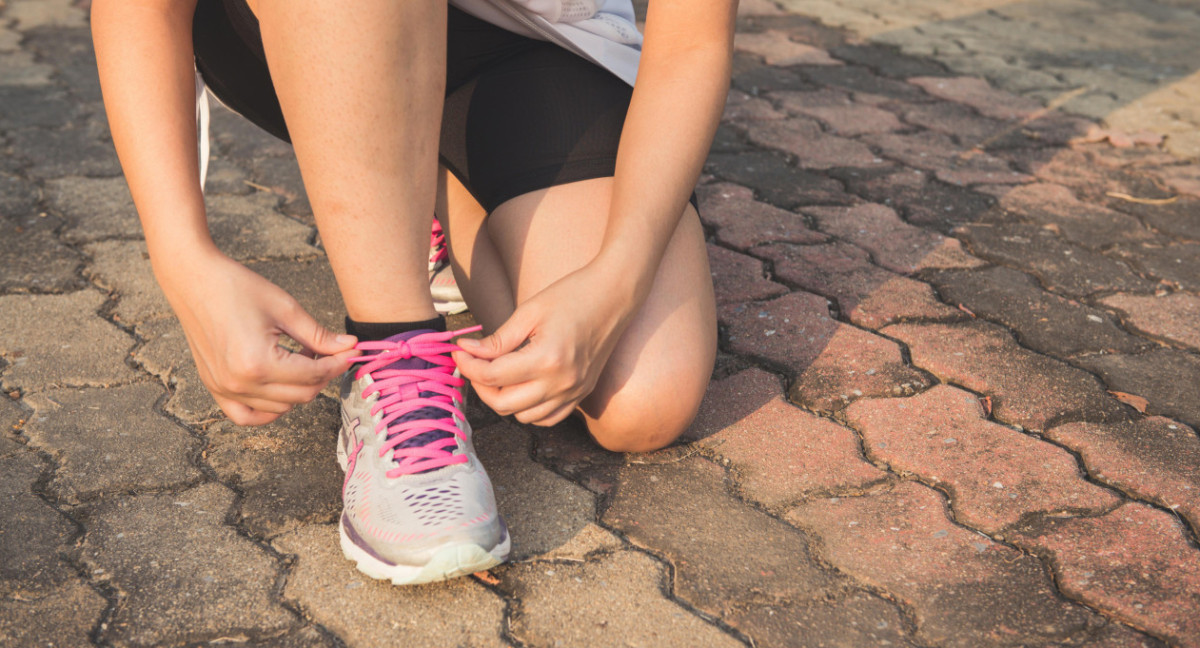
312, 336
507, 338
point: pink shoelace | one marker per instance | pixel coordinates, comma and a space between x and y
437, 244
401, 395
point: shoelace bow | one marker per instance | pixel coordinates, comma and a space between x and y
400, 393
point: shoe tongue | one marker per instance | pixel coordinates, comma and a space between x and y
415, 362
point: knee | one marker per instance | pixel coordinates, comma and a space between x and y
644, 424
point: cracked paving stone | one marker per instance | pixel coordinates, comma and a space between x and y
949, 162
238, 140
1056, 208
994, 474
281, 176
30, 14
99, 437
12, 417
1177, 219
901, 299
1154, 458
69, 50
921, 200
967, 127
962, 588
1165, 377
1134, 563
743, 222
741, 107
1042, 321
559, 605
71, 151
1062, 266
145, 547
833, 363
35, 106
95, 208
778, 452
754, 78
812, 147
892, 243
250, 227
62, 616
123, 269
838, 112
1178, 264
776, 181
365, 612
286, 470
71, 346
888, 60
852, 621
225, 177
1027, 389
165, 355
863, 83
739, 278
1170, 317
776, 49
543, 510
724, 551
31, 256
977, 94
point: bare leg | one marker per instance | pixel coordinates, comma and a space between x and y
654, 381
361, 85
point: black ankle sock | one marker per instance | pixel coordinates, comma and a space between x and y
379, 330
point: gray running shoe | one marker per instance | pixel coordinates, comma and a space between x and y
417, 505
447, 299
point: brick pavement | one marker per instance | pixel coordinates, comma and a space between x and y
956, 401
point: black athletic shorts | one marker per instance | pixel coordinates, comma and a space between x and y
520, 114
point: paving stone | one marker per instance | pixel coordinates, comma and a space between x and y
280, 175
1165, 377
165, 355
99, 440
63, 616
250, 227
543, 510
838, 112
123, 269
73, 346
225, 177
893, 244
741, 107
723, 551
31, 257
857, 619
286, 470
1178, 264
19, 69
772, 178
1171, 317
864, 83
754, 78
1027, 389
962, 588
1154, 458
1176, 219
1061, 266
813, 148
30, 14
145, 548
311, 282
32, 534
967, 127
901, 299
559, 605
977, 94
362, 611
778, 452
837, 270
1184, 178
1134, 563
95, 208
1042, 321
993, 473
887, 61
951, 163
743, 222
239, 140
920, 199
739, 278
69, 50
776, 48
1056, 208
29, 106
833, 363
12, 418
588, 542
70, 151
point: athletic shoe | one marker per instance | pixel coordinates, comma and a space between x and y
417, 505
447, 300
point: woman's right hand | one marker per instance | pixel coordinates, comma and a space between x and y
233, 319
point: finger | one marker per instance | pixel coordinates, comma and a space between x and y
506, 339
557, 416
311, 335
519, 398
298, 369
539, 412
289, 394
509, 369
242, 414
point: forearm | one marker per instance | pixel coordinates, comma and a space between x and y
676, 107
145, 60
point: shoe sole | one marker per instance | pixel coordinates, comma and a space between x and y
449, 562
449, 307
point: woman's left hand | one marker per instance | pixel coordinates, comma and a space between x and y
548, 356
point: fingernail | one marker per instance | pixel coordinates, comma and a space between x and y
470, 343
344, 339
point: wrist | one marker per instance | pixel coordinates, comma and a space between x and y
628, 274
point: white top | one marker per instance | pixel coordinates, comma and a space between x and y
602, 31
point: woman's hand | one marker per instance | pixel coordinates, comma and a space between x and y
548, 356
233, 319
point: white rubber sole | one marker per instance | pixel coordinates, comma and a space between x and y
449, 562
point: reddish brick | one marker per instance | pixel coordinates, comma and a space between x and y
740, 278
813, 148
837, 270
1027, 389
893, 244
777, 182
776, 48
966, 126
1134, 563
1153, 458
919, 199
1184, 179
1167, 378
1171, 317
1177, 264
857, 619
1176, 219
865, 84
962, 588
901, 299
951, 163
1056, 207
834, 363
994, 473
743, 222
740, 107
977, 94
838, 112
779, 452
